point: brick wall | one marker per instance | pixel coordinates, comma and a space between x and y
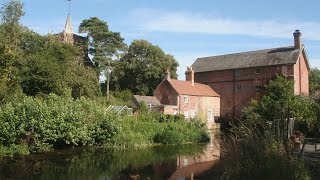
166, 94
238, 87
301, 76
188, 105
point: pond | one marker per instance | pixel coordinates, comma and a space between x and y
160, 162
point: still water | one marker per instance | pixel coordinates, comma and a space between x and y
163, 162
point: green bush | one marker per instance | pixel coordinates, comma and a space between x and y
43, 123
247, 154
182, 132
55, 121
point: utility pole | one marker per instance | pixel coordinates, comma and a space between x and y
108, 71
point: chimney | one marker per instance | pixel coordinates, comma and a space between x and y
297, 39
190, 75
167, 75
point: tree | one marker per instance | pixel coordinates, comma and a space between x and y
52, 67
12, 11
10, 54
142, 68
104, 45
314, 83
278, 106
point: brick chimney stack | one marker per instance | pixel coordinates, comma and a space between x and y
297, 39
190, 75
167, 75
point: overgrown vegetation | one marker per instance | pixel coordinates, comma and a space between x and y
259, 146
251, 152
50, 98
43, 123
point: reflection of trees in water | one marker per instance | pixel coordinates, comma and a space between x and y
93, 164
13, 168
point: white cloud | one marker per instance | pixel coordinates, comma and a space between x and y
153, 20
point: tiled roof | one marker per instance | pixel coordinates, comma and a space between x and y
266, 57
147, 100
186, 88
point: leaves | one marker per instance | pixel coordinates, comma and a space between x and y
104, 45
12, 11
141, 70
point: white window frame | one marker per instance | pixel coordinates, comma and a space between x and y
209, 115
185, 99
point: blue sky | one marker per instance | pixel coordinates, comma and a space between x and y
188, 29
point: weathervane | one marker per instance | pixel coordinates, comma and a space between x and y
69, 5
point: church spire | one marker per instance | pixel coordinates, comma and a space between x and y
68, 29
68, 26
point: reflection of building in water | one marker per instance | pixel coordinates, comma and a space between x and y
189, 166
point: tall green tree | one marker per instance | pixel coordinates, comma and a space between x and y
10, 54
142, 68
104, 45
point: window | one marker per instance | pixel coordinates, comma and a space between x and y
257, 71
238, 87
258, 88
185, 99
209, 115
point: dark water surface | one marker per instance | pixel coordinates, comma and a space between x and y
163, 162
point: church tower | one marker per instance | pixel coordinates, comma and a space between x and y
68, 29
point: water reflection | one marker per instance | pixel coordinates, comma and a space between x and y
165, 162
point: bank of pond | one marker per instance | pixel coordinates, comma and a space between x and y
158, 162
57, 137
41, 124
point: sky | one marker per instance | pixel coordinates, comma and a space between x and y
189, 29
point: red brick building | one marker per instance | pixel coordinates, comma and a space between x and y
240, 77
189, 98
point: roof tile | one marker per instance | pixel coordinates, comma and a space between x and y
186, 88
266, 57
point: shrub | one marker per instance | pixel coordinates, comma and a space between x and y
54, 121
247, 154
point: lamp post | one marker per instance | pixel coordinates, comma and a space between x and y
108, 71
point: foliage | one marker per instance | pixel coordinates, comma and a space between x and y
51, 67
149, 128
314, 80
59, 121
54, 121
121, 98
10, 55
280, 104
142, 68
12, 11
181, 132
36, 64
14, 149
104, 45
248, 154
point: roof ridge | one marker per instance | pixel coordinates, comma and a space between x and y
253, 51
